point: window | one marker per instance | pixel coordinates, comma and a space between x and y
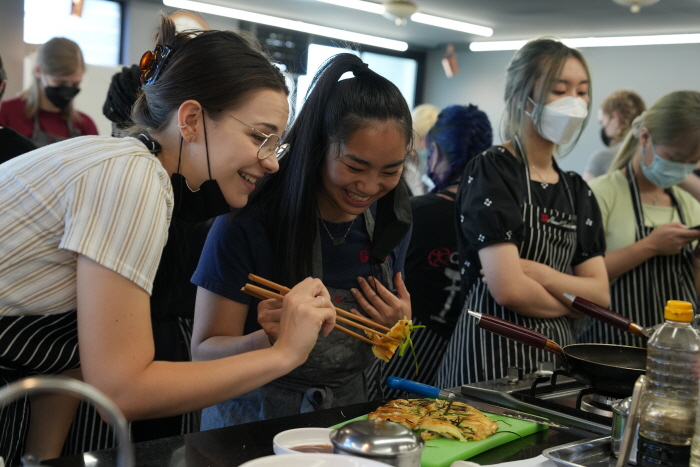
400, 71
97, 31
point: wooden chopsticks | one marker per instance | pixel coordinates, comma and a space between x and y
362, 322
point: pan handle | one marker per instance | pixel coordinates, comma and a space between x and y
516, 332
604, 314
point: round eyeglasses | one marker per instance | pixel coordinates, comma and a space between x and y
270, 145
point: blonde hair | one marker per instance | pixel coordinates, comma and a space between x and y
424, 117
627, 104
57, 57
535, 69
673, 120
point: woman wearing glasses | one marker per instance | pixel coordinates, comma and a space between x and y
336, 210
84, 222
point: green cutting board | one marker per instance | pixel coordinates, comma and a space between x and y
443, 452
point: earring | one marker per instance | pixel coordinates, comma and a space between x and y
182, 126
189, 136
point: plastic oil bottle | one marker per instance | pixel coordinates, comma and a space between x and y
667, 415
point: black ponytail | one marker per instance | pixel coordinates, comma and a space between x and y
333, 110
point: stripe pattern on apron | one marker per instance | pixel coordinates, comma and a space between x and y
32, 345
641, 293
474, 354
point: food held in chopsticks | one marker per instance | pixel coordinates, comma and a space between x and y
346, 317
427, 417
386, 346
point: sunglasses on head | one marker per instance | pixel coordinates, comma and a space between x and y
152, 63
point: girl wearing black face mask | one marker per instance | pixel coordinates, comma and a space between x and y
45, 112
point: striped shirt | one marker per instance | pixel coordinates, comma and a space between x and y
106, 198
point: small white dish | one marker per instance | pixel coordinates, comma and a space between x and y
283, 442
312, 460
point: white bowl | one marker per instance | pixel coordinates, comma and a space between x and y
312, 460
283, 442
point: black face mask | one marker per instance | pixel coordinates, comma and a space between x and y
198, 206
192, 206
201, 205
606, 139
392, 223
60, 96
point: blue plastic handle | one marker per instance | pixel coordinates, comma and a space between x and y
413, 387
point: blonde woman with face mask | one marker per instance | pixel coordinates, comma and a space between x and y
527, 231
649, 220
45, 112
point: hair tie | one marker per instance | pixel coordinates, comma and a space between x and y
362, 69
152, 63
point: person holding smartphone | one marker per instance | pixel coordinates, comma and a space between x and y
652, 255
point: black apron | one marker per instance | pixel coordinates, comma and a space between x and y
641, 293
32, 345
332, 376
474, 354
42, 138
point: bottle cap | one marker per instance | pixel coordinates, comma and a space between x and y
677, 310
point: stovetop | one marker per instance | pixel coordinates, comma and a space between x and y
551, 395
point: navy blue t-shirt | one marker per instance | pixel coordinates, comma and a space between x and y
237, 248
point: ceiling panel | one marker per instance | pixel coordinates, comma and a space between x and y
510, 19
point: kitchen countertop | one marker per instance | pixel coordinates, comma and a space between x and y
232, 446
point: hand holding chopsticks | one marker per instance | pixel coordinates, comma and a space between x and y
346, 317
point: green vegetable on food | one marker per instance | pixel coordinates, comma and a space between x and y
408, 342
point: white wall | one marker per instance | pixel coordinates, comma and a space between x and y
650, 70
141, 17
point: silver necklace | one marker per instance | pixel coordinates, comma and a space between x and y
544, 182
339, 240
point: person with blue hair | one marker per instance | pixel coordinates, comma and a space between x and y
432, 265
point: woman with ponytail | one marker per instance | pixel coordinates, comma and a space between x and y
82, 227
337, 210
652, 254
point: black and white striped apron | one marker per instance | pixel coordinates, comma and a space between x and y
474, 354
641, 293
32, 345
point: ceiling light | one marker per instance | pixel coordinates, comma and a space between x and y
358, 5
288, 24
452, 24
594, 42
399, 11
635, 5
431, 20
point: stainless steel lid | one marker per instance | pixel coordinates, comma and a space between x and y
376, 438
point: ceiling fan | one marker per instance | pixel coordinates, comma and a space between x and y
399, 11
635, 5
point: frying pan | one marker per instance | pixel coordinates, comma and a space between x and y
605, 367
607, 316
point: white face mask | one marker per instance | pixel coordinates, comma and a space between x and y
562, 118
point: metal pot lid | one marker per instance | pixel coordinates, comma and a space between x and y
376, 438
622, 406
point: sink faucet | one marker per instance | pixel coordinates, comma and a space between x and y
74, 387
